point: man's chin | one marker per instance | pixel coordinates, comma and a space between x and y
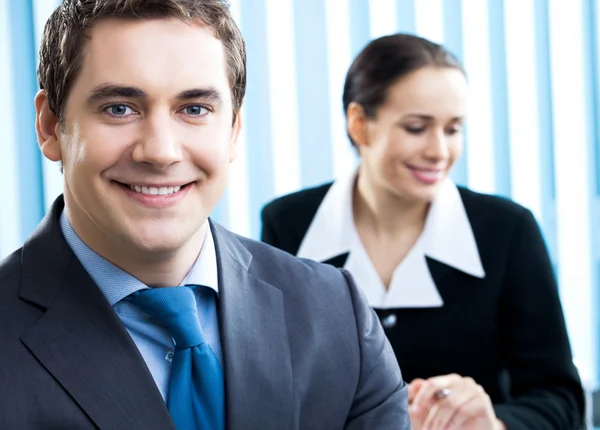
160, 239
156, 245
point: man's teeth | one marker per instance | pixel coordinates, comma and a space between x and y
155, 191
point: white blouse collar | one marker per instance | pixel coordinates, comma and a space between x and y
447, 238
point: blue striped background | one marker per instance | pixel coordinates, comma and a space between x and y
322, 38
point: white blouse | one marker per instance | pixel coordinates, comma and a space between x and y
447, 237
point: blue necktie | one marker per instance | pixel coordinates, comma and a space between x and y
196, 396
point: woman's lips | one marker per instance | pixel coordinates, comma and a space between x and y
427, 176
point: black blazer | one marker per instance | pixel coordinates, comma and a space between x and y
506, 331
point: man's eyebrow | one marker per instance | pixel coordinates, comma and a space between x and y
201, 93
105, 91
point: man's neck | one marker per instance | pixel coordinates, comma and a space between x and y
165, 269
155, 269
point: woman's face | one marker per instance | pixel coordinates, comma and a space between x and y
409, 147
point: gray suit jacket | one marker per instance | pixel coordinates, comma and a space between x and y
302, 349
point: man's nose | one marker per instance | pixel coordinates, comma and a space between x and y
158, 145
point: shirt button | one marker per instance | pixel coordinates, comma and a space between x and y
389, 321
169, 356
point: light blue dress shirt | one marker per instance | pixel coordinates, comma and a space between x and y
153, 341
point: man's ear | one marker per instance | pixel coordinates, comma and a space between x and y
356, 124
235, 136
46, 127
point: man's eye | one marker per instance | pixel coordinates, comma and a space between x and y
195, 110
119, 110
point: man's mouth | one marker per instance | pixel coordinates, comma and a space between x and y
155, 190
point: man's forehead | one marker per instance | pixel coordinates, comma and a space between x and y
154, 53
191, 37
136, 24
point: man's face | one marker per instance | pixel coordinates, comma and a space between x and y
147, 137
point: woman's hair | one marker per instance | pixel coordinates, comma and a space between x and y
386, 60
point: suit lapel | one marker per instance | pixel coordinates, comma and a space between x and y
258, 372
81, 341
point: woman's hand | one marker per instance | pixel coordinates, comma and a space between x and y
450, 402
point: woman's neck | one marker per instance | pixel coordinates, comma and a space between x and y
385, 214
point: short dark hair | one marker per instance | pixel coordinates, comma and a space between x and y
386, 60
65, 32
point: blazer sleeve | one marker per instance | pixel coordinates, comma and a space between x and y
381, 397
545, 387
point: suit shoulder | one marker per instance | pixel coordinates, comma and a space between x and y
10, 265
273, 265
480, 205
304, 200
495, 222
10, 272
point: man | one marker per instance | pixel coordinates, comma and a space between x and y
139, 102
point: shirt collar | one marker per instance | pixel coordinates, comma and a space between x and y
116, 284
447, 237
332, 230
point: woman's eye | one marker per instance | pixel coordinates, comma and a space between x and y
414, 130
195, 110
119, 110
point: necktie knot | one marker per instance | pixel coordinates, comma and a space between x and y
176, 309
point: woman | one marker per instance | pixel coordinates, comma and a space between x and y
461, 281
